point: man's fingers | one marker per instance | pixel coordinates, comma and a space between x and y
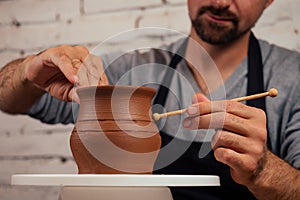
235, 142
226, 121
218, 120
240, 164
76, 63
66, 58
91, 72
73, 96
235, 108
64, 63
81, 52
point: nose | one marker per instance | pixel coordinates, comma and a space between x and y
221, 3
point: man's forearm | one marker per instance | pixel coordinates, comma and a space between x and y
17, 94
277, 180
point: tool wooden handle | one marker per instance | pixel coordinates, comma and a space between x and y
272, 93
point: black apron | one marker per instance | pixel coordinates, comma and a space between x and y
190, 163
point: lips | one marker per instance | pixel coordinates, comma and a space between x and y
217, 18
217, 15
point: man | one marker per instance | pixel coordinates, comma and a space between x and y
244, 139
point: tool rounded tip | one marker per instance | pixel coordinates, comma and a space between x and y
273, 92
156, 116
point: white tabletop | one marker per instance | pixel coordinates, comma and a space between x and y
120, 180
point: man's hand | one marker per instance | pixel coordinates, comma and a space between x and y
56, 70
240, 143
240, 139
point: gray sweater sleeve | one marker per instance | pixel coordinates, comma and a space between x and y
290, 139
52, 111
282, 70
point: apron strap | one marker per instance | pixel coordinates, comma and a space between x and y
256, 77
255, 73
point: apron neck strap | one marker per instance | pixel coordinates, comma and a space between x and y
255, 73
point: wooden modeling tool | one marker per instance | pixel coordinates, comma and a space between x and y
272, 93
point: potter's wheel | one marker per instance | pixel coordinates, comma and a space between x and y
120, 180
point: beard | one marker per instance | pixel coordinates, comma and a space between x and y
215, 33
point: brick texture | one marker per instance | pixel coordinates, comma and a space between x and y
94, 6
20, 12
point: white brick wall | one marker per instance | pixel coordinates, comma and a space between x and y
29, 26
280, 24
94, 6
38, 11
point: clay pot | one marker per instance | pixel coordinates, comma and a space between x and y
114, 132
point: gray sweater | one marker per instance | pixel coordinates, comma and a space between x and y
281, 70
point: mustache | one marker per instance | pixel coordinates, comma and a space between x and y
221, 12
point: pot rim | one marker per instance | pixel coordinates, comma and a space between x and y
112, 87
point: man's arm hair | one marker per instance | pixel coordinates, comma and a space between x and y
277, 180
17, 94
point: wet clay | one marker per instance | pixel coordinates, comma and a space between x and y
114, 132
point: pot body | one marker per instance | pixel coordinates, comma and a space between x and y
114, 132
